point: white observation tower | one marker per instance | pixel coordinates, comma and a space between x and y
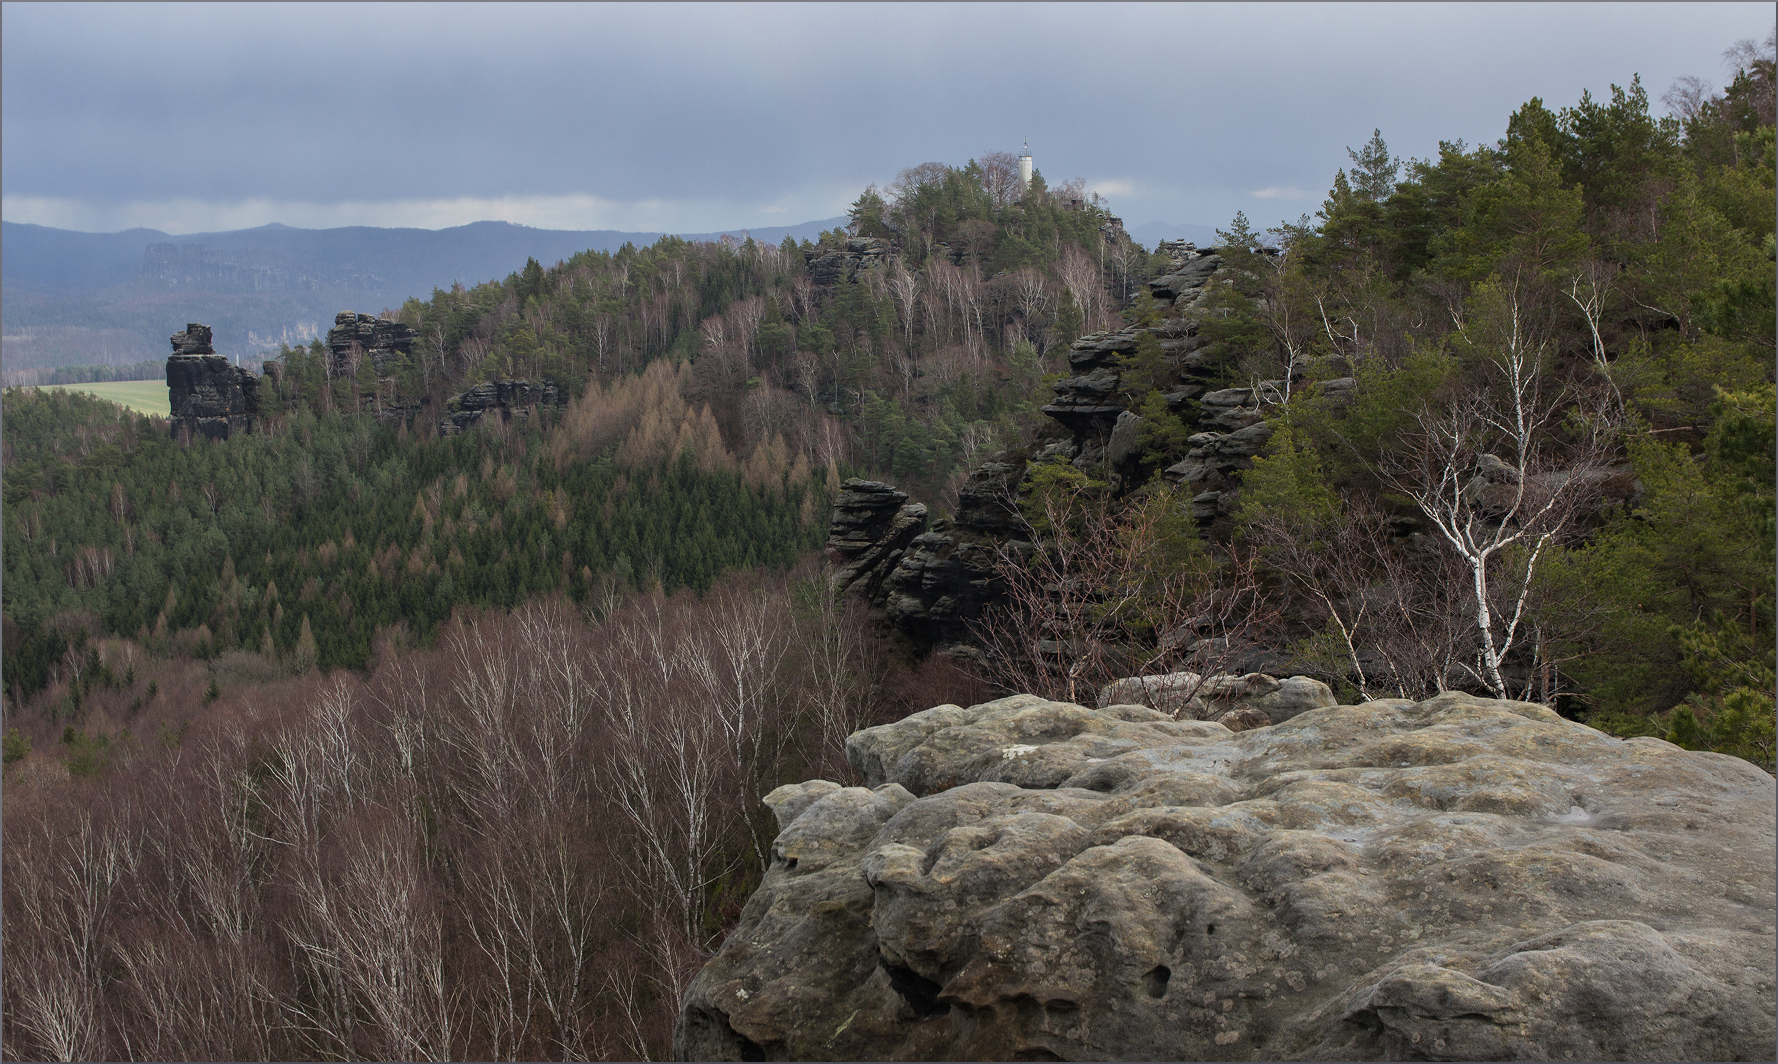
1025, 165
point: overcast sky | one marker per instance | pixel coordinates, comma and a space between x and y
192, 118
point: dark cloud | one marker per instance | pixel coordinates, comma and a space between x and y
778, 113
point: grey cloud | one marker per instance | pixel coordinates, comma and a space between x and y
1197, 105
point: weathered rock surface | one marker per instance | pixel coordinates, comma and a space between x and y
1190, 276
1458, 879
1189, 696
508, 398
368, 336
930, 582
872, 525
210, 397
1215, 453
833, 265
1088, 403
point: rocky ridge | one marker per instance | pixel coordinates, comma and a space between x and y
932, 582
1453, 879
209, 396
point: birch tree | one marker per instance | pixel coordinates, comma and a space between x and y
1501, 471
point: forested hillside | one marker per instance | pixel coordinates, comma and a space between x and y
1562, 352
716, 392
355, 736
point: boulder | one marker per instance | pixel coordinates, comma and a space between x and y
1245, 719
1453, 879
1125, 444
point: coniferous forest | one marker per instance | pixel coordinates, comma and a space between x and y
350, 737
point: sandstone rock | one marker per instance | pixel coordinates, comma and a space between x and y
1338, 391
209, 396
1191, 275
1227, 410
1458, 878
367, 336
195, 340
984, 501
508, 398
1125, 443
1214, 453
1245, 719
1170, 693
931, 583
941, 583
872, 525
1089, 403
1101, 349
1189, 696
834, 265
1294, 695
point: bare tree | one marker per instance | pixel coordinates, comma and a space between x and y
1489, 471
1000, 177
831, 631
1081, 275
904, 285
1101, 594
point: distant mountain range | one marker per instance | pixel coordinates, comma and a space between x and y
110, 299
72, 298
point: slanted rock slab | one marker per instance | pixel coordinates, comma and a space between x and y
1453, 879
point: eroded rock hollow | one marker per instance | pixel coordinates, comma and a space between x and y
1455, 879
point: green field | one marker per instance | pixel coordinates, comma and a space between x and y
144, 397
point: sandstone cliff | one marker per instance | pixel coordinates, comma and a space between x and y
209, 396
1454, 879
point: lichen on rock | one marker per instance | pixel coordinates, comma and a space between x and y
1458, 878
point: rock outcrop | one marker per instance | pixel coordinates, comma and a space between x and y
1455, 879
508, 398
873, 523
367, 336
1088, 402
209, 396
932, 582
1214, 454
830, 265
